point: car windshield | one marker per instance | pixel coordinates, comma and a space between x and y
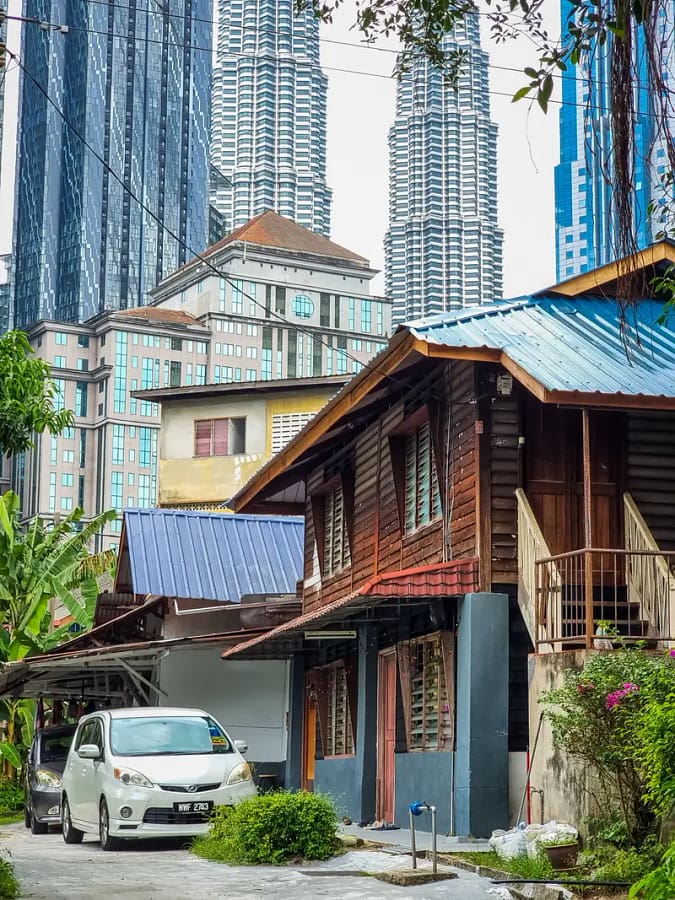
172, 735
54, 748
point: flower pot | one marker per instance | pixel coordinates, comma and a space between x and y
563, 856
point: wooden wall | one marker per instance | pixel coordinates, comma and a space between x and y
650, 476
377, 543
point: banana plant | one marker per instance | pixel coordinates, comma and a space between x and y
40, 562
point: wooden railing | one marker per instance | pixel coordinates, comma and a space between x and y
649, 578
573, 612
531, 547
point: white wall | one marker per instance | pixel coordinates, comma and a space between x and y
249, 698
517, 781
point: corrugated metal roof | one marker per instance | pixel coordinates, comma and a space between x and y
211, 556
568, 345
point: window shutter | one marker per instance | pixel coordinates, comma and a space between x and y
328, 535
403, 653
221, 429
203, 438
423, 475
410, 483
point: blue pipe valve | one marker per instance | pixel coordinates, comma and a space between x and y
417, 807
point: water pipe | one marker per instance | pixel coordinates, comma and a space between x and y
416, 808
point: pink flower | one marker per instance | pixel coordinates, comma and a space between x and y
672, 652
616, 697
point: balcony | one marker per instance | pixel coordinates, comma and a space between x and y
595, 598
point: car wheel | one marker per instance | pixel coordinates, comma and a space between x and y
26, 816
107, 842
37, 827
70, 835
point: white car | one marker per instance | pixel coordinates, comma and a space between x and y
148, 773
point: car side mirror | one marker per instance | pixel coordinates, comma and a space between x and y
241, 746
89, 751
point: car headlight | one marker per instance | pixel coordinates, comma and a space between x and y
239, 773
45, 778
129, 776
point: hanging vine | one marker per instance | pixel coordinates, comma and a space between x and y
638, 38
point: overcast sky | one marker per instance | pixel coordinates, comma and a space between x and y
360, 111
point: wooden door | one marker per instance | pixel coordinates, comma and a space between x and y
554, 475
309, 738
386, 735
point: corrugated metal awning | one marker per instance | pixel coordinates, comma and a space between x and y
210, 556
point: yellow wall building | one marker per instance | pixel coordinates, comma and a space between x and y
214, 437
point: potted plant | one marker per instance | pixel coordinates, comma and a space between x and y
562, 851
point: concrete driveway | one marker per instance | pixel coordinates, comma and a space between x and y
48, 869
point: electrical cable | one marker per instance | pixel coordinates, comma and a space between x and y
67, 29
197, 256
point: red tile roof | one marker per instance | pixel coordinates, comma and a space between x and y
154, 314
460, 576
269, 229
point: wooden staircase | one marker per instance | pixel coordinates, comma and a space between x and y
585, 598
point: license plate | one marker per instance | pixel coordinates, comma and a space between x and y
194, 806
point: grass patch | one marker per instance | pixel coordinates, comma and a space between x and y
273, 828
11, 818
524, 866
9, 886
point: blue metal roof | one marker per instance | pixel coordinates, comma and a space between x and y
212, 556
568, 345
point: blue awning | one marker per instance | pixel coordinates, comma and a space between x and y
212, 556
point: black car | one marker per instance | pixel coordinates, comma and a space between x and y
44, 768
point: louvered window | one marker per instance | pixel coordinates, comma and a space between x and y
336, 538
285, 426
220, 437
339, 734
422, 496
430, 725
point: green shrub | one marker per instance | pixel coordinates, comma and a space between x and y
629, 865
660, 883
9, 886
11, 796
272, 828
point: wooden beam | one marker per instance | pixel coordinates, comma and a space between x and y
606, 275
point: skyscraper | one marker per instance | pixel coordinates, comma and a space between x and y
135, 83
268, 138
585, 217
443, 248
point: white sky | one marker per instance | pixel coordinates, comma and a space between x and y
360, 111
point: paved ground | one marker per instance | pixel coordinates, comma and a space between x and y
48, 869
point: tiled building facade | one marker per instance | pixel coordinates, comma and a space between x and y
134, 83
291, 305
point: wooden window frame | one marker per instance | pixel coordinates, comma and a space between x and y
319, 503
212, 436
426, 415
442, 645
336, 684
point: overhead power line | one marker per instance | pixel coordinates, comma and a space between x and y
66, 29
198, 256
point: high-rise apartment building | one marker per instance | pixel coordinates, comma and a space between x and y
290, 304
585, 216
268, 137
443, 247
134, 82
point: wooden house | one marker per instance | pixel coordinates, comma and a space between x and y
500, 480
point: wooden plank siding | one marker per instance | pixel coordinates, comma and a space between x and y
378, 543
505, 470
650, 474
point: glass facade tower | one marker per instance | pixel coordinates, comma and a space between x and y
134, 80
584, 215
268, 139
443, 247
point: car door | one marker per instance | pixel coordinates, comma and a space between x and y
93, 787
78, 772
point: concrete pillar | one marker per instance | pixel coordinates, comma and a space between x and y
366, 723
481, 782
296, 712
